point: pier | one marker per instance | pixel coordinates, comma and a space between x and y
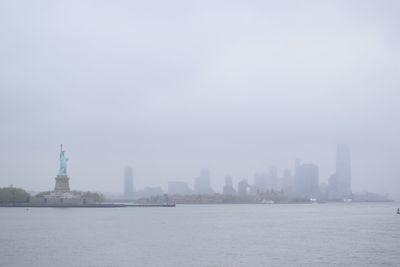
98, 205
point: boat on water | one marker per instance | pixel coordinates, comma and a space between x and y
267, 202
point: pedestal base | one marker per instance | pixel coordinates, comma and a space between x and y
62, 184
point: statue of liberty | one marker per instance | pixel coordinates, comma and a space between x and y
63, 163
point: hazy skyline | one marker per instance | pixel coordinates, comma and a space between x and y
173, 87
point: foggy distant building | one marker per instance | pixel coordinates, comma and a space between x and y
202, 183
178, 188
228, 187
323, 191
264, 182
149, 191
307, 180
260, 182
333, 187
128, 183
287, 182
340, 182
272, 182
243, 187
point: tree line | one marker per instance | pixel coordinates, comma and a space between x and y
13, 195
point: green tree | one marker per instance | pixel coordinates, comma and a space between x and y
13, 195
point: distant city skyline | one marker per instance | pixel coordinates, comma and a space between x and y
217, 181
304, 183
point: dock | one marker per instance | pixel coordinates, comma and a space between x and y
95, 205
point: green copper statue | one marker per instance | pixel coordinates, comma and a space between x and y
63, 163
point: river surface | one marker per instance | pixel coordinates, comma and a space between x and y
203, 235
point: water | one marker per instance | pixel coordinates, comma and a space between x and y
203, 235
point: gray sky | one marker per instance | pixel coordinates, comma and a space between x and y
170, 87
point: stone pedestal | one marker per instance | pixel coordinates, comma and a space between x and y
62, 184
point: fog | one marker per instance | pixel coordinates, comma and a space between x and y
170, 87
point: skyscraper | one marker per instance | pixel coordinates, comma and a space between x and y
340, 182
287, 182
264, 182
128, 182
243, 187
260, 182
228, 187
202, 183
178, 188
307, 181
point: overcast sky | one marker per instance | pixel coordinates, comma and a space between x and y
169, 87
